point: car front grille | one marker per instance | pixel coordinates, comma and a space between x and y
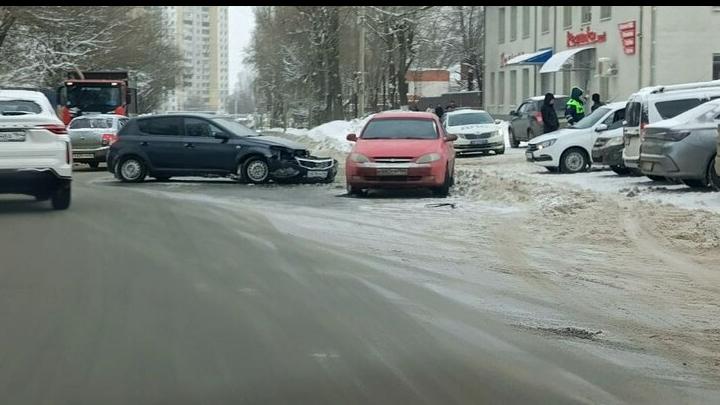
484, 135
532, 147
315, 163
393, 159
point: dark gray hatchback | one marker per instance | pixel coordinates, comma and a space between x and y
174, 145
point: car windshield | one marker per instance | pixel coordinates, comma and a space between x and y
400, 129
234, 127
86, 123
19, 107
470, 118
591, 119
94, 98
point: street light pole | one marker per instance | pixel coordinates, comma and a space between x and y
361, 63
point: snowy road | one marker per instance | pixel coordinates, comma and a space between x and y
518, 288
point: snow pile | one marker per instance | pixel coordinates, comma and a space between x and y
332, 134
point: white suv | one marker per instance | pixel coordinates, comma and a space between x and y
35, 151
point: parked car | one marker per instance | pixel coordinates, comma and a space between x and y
526, 122
684, 147
476, 131
401, 150
569, 149
657, 103
607, 151
92, 135
717, 159
35, 151
173, 145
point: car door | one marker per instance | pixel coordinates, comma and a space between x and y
163, 142
209, 154
519, 122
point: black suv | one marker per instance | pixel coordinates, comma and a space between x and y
169, 145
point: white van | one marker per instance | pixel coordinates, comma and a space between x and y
656, 103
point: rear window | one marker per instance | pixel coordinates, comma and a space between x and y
471, 118
400, 129
161, 126
86, 123
634, 114
672, 108
19, 107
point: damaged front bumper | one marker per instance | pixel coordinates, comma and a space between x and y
309, 169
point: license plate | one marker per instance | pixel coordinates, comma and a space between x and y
317, 174
83, 156
479, 141
17, 136
528, 155
392, 172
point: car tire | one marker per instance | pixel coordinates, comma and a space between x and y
621, 170
500, 151
695, 183
552, 169
573, 160
131, 169
256, 170
656, 178
513, 142
94, 165
713, 178
444, 190
354, 191
61, 196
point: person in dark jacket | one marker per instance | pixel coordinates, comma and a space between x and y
596, 102
575, 107
439, 111
549, 116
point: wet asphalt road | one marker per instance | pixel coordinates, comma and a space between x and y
131, 297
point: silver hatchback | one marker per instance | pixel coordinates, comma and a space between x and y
92, 135
684, 147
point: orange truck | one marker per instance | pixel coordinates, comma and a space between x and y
99, 92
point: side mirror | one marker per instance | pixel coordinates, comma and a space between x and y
221, 135
352, 138
498, 122
450, 138
601, 128
513, 113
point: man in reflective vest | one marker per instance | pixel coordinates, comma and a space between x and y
575, 107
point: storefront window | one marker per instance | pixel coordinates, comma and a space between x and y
501, 89
513, 87
492, 89
525, 83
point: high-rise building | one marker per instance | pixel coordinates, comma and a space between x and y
201, 35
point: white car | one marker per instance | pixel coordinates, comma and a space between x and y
92, 135
476, 131
570, 149
35, 150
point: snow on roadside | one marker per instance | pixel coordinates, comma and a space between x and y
328, 136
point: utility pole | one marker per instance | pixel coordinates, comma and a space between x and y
361, 63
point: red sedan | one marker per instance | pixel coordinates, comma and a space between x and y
401, 150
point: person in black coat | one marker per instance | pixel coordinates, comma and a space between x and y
596, 102
439, 111
549, 116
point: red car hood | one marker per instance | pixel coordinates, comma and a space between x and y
396, 147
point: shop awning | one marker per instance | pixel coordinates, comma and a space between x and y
538, 57
556, 61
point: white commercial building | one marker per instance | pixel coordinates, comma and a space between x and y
201, 35
610, 50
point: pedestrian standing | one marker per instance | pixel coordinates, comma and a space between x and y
575, 107
549, 116
596, 102
451, 106
439, 111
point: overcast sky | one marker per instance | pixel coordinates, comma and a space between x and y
240, 29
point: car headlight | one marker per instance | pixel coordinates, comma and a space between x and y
430, 157
615, 141
359, 158
546, 144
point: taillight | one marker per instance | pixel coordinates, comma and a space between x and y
538, 117
108, 139
58, 129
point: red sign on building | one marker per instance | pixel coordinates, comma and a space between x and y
627, 36
585, 38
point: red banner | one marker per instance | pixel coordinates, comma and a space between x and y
627, 36
585, 37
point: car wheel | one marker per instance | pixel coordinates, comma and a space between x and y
256, 170
621, 170
354, 191
713, 178
61, 197
131, 170
444, 190
573, 160
513, 142
500, 151
94, 165
656, 178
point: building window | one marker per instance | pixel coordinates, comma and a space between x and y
545, 16
605, 12
492, 88
525, 83
586, 14
501, 89
716, 66
513, 87
501, 25
526, 22
567, 16
513, 23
